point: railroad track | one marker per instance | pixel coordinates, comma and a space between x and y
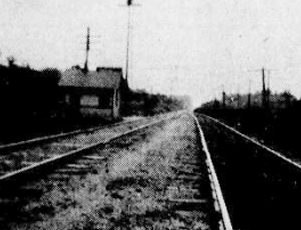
189, 193
21, 185
46, 152
6, 148
261, 187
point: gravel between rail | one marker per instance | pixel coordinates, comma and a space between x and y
22, 157
155, 179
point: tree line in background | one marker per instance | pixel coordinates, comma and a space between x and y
142, 103
281, 100
274, 123
26, 93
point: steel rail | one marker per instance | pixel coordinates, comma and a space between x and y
36, 168
219, 202
44, 139
275, 153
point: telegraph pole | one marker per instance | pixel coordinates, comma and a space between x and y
238, 100
265, 92
263, 89
238, 97
87, 49
224, 97
249, 95
268, 89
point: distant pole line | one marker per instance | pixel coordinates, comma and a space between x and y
224, 97
268, 88
263, 89
249, 95
238, 96
87, 49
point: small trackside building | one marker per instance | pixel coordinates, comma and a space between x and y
92, 93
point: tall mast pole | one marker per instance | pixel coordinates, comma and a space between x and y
129, 4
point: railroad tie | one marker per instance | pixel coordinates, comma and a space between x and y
187, 204
69, 145
77, 166
89, 157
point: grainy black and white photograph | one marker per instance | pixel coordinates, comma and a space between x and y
150, 115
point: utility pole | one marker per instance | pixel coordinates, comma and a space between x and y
87, 49
238, 101
265, 92
249, 95
268, 89
263, 89
238, 98
224, 97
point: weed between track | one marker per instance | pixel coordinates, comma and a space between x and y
131, 190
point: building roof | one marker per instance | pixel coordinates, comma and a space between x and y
101, 78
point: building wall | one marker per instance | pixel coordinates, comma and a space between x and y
94, 112
93, 103
116, 104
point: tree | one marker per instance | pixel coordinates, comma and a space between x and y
11, 61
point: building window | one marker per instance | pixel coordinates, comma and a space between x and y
67, 99
89, 101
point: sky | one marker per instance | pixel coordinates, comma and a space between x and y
193, 47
